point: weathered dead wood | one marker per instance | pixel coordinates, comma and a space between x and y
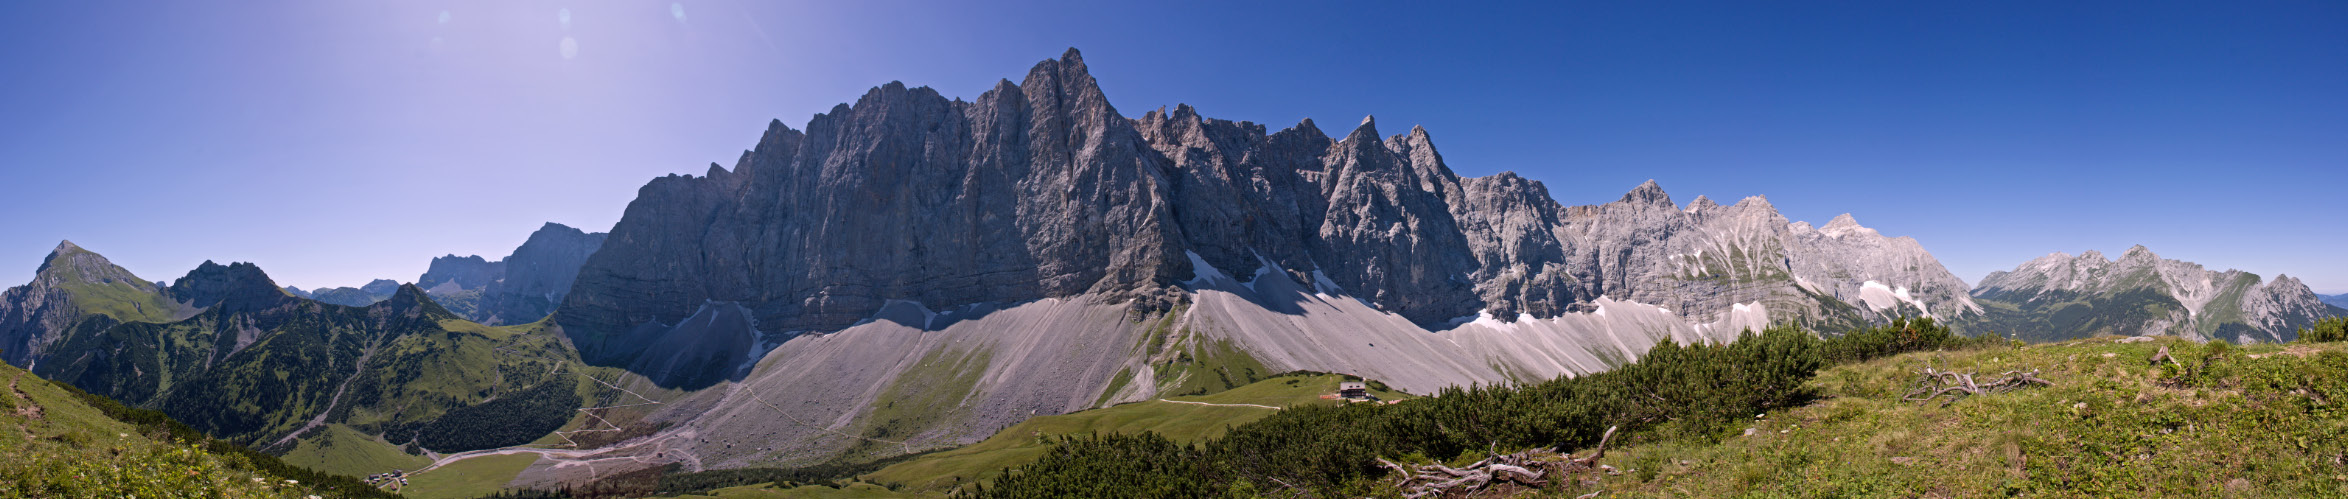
2162, 355
1592, 459
1525, 469
1954, 385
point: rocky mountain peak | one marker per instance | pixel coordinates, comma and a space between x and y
461, 272
380, 287
1701, 204
1366, 132
1648, 193
1066, 86
410, 301
70, 262
1843, 225
212, 284
2138, 252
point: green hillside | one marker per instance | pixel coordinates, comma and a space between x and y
2257, 421
259, 370
57, 445
1182, 419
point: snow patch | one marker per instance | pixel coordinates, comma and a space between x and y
1201, 272
1322, 284
1264, 268
1879, 296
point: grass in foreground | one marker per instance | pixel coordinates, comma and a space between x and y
2257, 421
57, 446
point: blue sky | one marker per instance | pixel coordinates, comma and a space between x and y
333, 142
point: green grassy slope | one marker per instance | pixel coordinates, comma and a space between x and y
2259, 421
56, 446
469, 478
256, 372
340, 450
1183, 419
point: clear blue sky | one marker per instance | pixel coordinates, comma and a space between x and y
333, 142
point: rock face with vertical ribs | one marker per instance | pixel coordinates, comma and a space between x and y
1041, 189
2060, 296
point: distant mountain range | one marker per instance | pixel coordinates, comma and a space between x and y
374, 291
913, 272
523, 287
2060, 296
2339, 300
229, 352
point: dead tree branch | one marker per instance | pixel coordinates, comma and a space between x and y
1953, 385
1526, 469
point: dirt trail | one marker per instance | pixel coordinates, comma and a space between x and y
25, 408
1220, 405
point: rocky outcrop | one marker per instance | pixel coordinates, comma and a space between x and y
461, 272
239, 284
2060, 296
1041, 189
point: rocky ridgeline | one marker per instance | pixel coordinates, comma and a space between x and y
1041, 189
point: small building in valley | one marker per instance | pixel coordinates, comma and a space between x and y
1353, 390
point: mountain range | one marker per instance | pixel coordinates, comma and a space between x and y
912, 272
227, 351
2060, 296
523, 287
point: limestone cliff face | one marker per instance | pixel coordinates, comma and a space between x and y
2061, 296
1041, 189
